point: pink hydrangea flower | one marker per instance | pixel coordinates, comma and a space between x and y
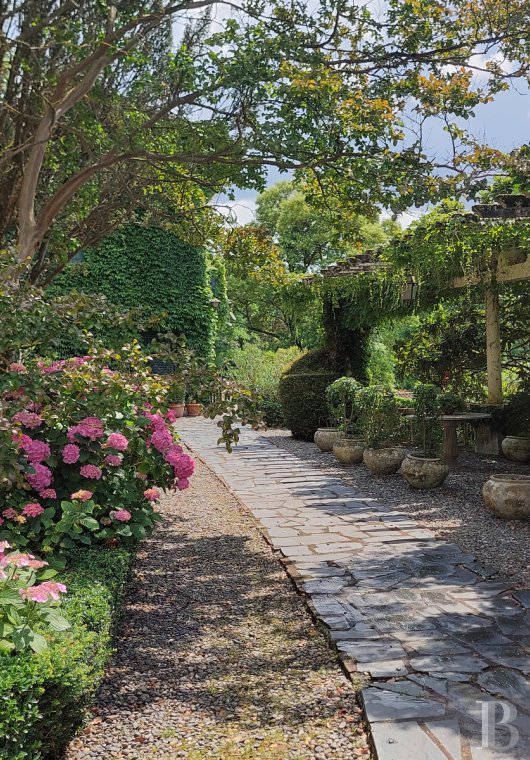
36, 451
183, 483
4, 545
117, 441
54, 367
162, 440
71, 453
41, 478
173, 454
89, 427
171, 415
33, 510
43, 592
17, 367
121, 515
28, 419
48, 493
113, 459
157, 421
82, 495
152, 494
184, 467
1, 520
10, 513
91, 471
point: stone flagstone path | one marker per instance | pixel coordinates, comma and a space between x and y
441, 642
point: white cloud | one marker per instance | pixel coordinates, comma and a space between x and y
240, 211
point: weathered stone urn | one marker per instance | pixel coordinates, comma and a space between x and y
349, 450
516, 448
325, 437
508, 496
385, 461
423, 472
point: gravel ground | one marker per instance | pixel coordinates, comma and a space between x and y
455, 511
217, 656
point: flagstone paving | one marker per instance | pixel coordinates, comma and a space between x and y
441, 641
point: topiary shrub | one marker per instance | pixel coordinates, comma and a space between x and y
303, 400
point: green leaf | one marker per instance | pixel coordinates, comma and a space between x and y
6, 646
38, 643
89, 523
11, 597
55, 620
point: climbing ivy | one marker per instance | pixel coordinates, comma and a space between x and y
151, 268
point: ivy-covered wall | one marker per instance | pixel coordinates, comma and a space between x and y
150, 267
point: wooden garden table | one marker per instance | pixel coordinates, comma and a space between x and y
450, 423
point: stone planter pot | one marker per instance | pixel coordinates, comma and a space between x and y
422, 472
385, 461
349, 450
193, 410
508, 496
326, 437
516, 448
178, 409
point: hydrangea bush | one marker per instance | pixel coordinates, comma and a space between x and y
87, 444
28, 601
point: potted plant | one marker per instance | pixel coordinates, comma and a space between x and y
380, 426
177, 393
451, 403
425, 469
348, 448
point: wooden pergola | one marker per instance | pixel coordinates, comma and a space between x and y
504, 266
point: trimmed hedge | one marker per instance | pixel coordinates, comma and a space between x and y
303, 399
42, 697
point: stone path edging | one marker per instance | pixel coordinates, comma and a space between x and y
440, 642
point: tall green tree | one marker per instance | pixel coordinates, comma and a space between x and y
100, 114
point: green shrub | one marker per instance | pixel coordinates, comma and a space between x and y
319, 360
303, 399
380, 421
272, 412
516, 413
341, 396
42, 697
260, 370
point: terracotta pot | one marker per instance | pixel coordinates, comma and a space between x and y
516, 448
178, 409
193, 410
349, 450
422, 472
508, 496
326, 437
385, 461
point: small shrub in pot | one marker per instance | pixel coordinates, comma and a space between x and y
380, 425
425, 469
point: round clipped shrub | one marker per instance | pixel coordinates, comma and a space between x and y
303, 400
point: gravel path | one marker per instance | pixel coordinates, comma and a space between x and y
217, 655
455, 511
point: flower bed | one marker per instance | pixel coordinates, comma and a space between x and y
85, 450
42, 696
86, 446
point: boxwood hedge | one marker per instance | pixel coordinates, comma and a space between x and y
42, 697
304, 402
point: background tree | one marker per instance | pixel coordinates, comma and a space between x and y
100, 114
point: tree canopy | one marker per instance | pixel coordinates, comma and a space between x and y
102, 114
